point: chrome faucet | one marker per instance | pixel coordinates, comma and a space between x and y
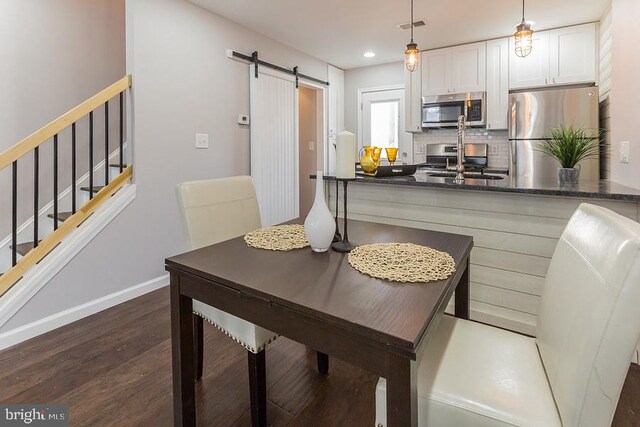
459, 167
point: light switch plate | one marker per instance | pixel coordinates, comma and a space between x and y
243, 119
624, 152
312, 145
202, 141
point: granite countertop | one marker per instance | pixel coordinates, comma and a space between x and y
602, 189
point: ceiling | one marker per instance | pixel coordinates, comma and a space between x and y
341, 31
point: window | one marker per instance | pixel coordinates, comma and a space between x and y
381, 122
385, 124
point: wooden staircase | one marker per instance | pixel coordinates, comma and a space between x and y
26, 254
23, 248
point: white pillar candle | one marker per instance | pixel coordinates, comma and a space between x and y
346, 155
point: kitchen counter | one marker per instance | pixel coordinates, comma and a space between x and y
603, 189
515, 228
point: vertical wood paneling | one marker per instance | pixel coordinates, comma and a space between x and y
514, 238
274, 145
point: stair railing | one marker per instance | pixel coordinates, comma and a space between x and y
32, 143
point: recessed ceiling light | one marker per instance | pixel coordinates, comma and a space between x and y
369, 54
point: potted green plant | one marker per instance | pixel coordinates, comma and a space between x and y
569, 146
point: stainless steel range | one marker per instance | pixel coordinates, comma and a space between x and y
475, 161
475, 155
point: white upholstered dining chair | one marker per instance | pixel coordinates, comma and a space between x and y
213, 211
572, 373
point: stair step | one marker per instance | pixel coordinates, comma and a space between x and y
23, 248
62, 216
96, 188
117, 165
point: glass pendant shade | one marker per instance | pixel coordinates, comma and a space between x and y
412, 54
523, 39
411, 57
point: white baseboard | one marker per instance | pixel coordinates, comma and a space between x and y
39, 327
39, 275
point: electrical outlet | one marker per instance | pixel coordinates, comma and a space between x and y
243, 119
624, 152
202, 141
312, 145
494, 150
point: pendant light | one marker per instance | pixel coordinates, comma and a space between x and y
412, 54
523, 36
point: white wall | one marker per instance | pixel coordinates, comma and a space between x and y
54, 55
366, 77
625, 89
182, 84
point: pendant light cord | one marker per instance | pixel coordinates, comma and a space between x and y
522, 10
411, 23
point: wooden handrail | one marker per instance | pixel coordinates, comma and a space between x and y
11, 276
47, 132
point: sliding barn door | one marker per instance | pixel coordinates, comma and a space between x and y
274, 144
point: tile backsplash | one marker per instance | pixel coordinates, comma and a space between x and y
496, 139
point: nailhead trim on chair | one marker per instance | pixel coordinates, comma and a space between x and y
245, 345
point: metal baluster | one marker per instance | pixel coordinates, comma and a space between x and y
91, 155
55, 182
121, 131
14, 215
73, 168
36, 196
106, 143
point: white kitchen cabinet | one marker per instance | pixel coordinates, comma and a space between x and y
413, 99
533, 69
497, 84
559, 57
468, 68
436, 72
458, 69
573, 54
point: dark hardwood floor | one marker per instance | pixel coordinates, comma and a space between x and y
114, 368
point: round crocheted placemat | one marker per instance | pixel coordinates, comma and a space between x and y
402, 262
278, 238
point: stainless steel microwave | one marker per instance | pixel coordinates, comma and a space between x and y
443, 111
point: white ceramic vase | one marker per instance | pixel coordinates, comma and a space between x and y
319, 226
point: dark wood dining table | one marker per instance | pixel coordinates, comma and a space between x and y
319, 300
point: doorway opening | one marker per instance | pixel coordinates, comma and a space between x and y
311, 125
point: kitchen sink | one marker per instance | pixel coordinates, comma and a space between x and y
466, 175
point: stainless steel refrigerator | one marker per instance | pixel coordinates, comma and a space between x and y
533, 115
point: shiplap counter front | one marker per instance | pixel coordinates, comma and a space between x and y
514, 237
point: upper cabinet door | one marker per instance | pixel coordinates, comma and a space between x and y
497, 84
573, 54
436, 72
413, 99
532, 70
468, 68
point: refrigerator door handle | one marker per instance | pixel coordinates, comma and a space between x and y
513, 154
